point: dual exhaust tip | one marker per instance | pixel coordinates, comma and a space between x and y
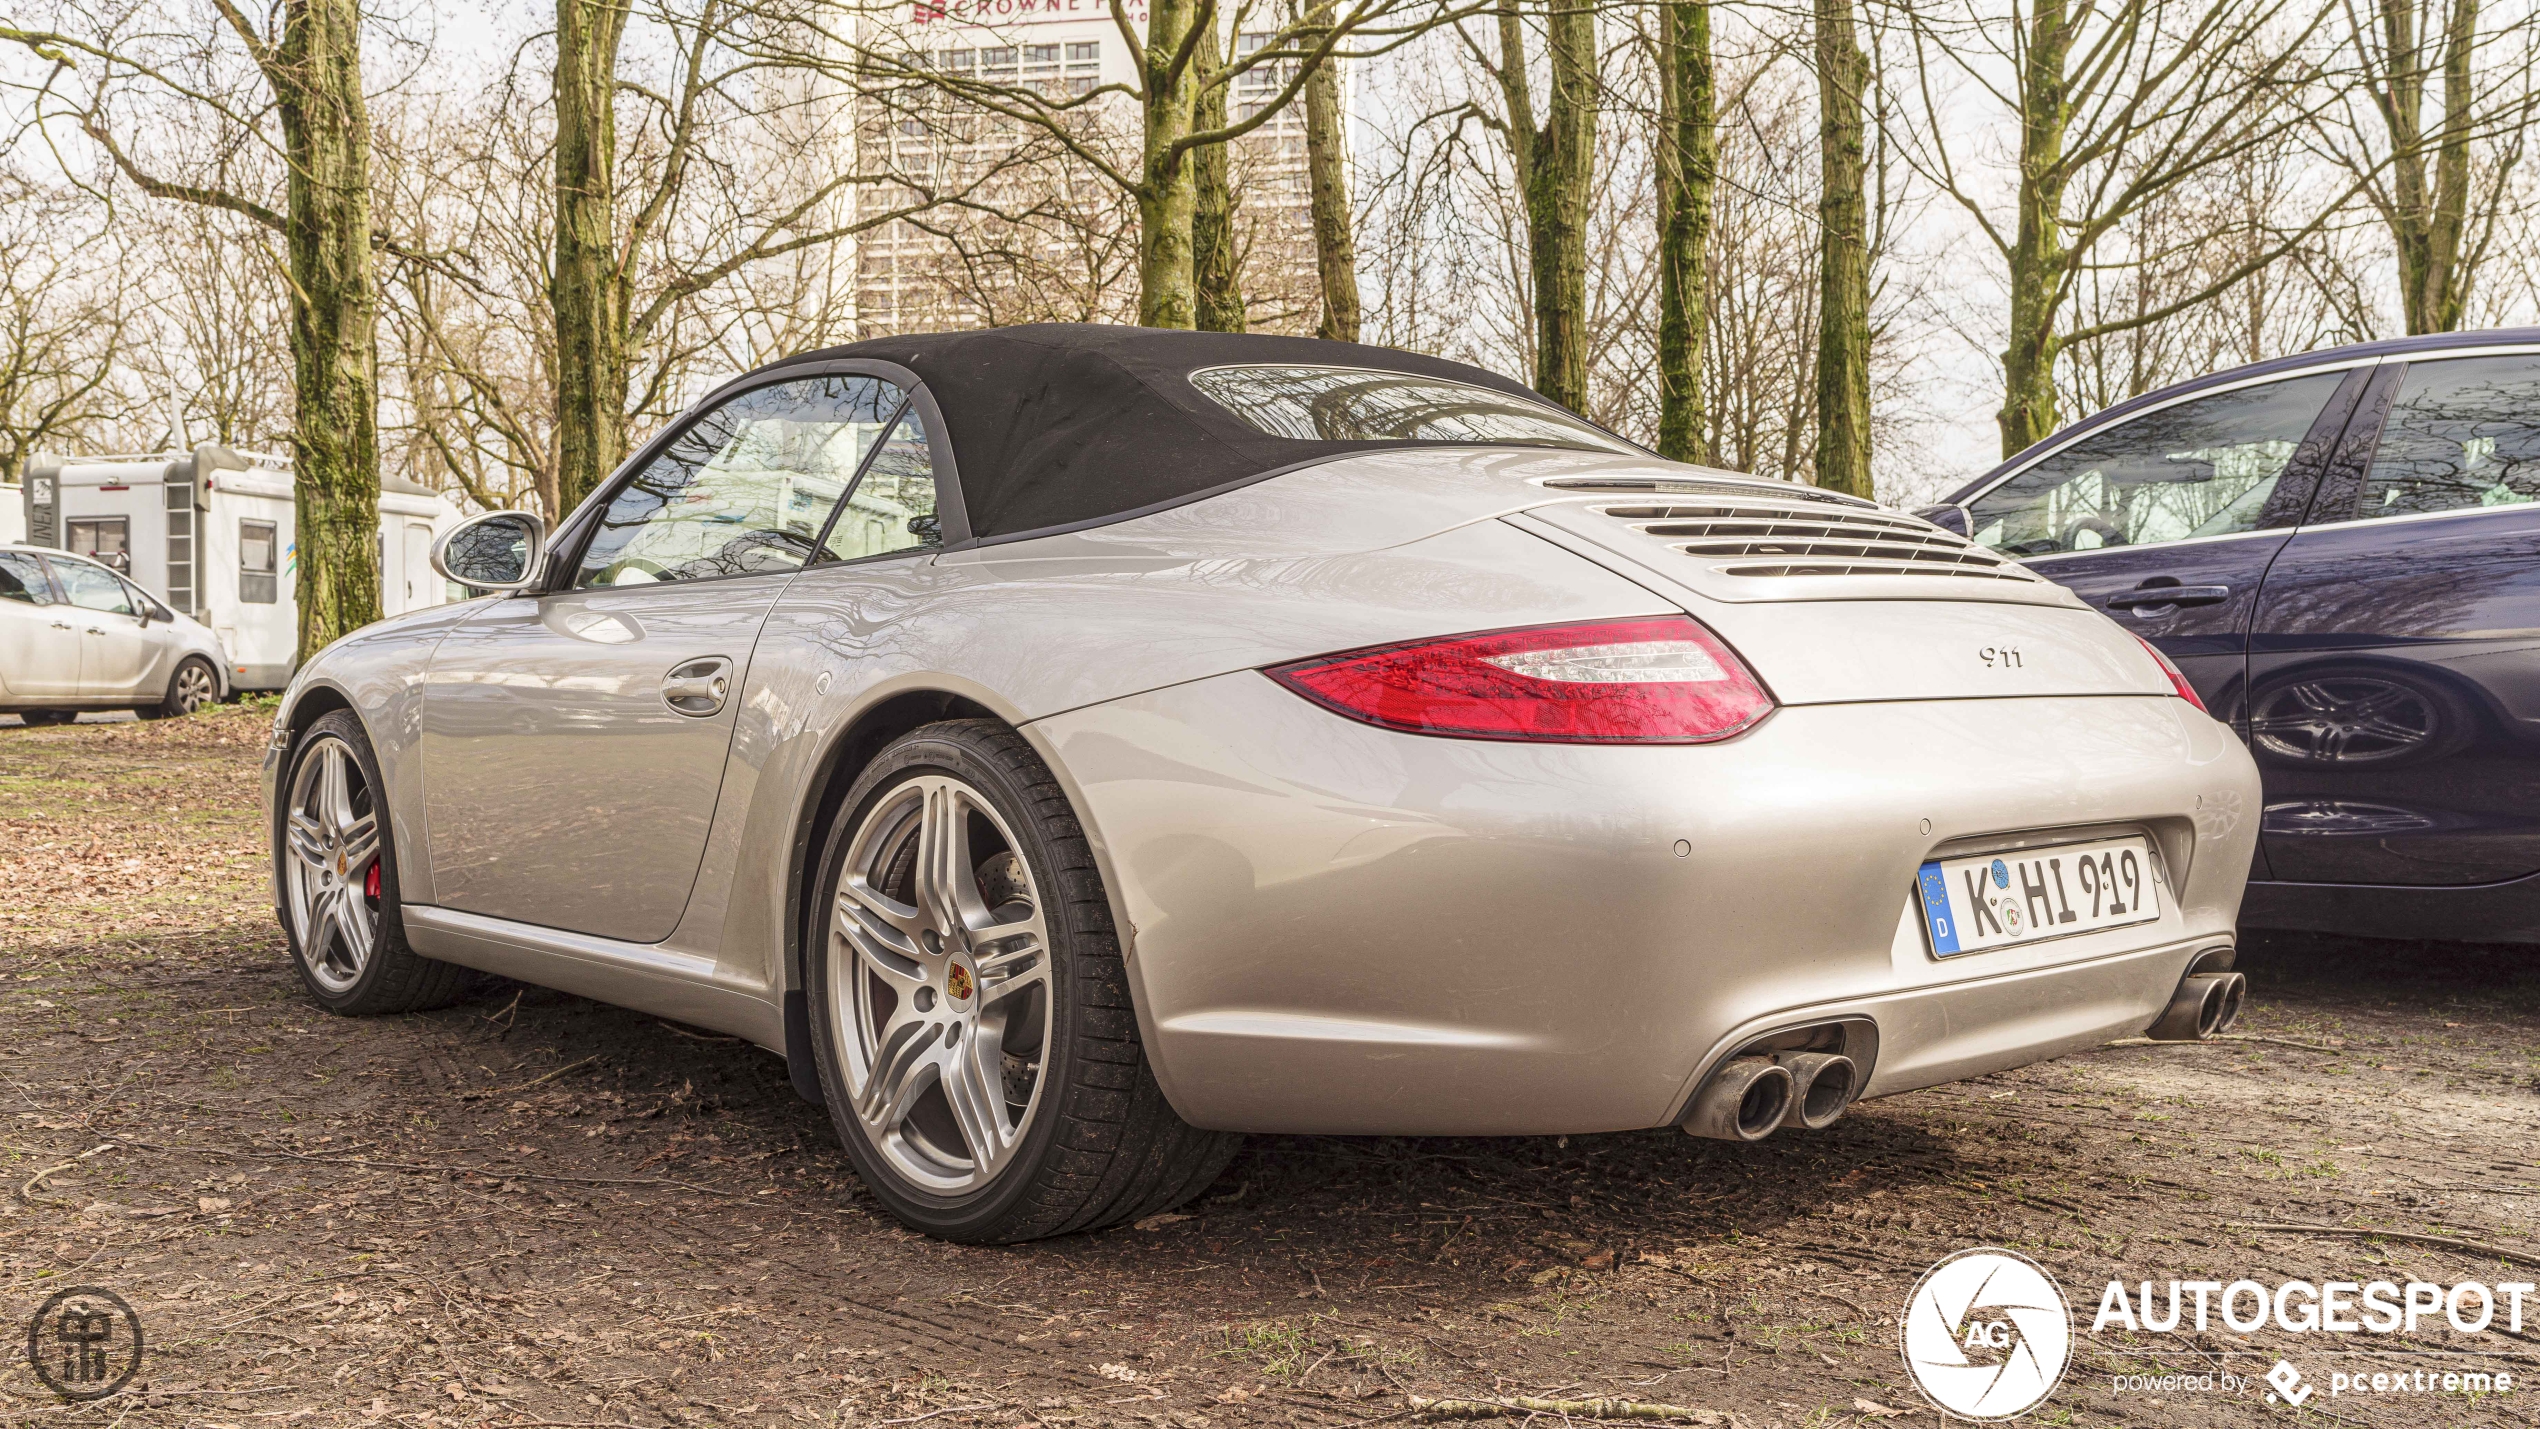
1750, 1098
2205, 1005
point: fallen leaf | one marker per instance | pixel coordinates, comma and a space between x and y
1120, 1372
1159, 1222
212, 1205
1876, 1410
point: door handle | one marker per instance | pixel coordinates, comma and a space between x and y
64, 625
2169, 595
698, 688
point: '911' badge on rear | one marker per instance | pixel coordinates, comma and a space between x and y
1973, 905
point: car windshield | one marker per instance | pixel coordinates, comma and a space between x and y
1356, 404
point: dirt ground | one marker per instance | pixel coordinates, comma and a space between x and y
532, 1210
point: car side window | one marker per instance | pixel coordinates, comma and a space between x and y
893, 506
744, 489
2461, 434
22, 579
2203, 467
92, 589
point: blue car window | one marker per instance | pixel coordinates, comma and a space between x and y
2203, 467
2461, 434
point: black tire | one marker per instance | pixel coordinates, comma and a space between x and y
391, 977
1100, 1145
38, 719
192, 685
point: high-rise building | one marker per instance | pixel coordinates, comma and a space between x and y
1049, 238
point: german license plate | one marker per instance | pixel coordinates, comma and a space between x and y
1974, 905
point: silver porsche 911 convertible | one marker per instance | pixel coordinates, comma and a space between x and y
1072, 747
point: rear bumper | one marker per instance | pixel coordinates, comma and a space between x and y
1335, 928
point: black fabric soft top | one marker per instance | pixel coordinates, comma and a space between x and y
1057, 425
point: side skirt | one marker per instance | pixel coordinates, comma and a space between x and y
642, 977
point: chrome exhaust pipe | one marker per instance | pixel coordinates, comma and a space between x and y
1822, 1087
2204, 1005
1744, 1101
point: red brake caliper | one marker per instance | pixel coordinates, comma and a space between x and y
370, 882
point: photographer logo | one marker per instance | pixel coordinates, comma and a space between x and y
1987, 1334
84, 1343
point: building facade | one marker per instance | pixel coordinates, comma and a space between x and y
1041, 237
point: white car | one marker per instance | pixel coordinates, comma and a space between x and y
76, 636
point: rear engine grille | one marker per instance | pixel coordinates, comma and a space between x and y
1694, 486
1753, 539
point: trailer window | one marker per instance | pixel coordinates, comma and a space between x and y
104, 539
257, 552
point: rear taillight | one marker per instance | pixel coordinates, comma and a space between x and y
2178, 681
1659, 680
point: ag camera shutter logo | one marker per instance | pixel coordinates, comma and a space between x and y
1987, 1334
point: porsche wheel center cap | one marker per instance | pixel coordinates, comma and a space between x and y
957, 983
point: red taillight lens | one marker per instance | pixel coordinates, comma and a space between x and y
1660, 680
2178, 681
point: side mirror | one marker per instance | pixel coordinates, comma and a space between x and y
500, 550
1957, 519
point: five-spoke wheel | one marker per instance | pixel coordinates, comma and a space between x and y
971, 1015
335, 879
333, 847
939, 964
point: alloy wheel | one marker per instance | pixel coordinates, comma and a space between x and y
193, 687
333, 864
2343, 719
939, 979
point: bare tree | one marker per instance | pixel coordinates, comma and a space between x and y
2436, 180
1327, 175
64, 320
1554, 162
2114, 104
310, 64
1843, 253
1688, 171
1216, 263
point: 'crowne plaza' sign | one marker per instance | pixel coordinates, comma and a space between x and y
1019, 12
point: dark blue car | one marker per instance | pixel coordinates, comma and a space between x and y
2342, 551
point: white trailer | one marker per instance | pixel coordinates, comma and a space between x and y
214, 532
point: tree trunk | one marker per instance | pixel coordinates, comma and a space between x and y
1556, 170
584, 294
1167, 197
1216, 272
1843, 260
334, 313
1688, 164
2429, 210
1327, 177
2037, 258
